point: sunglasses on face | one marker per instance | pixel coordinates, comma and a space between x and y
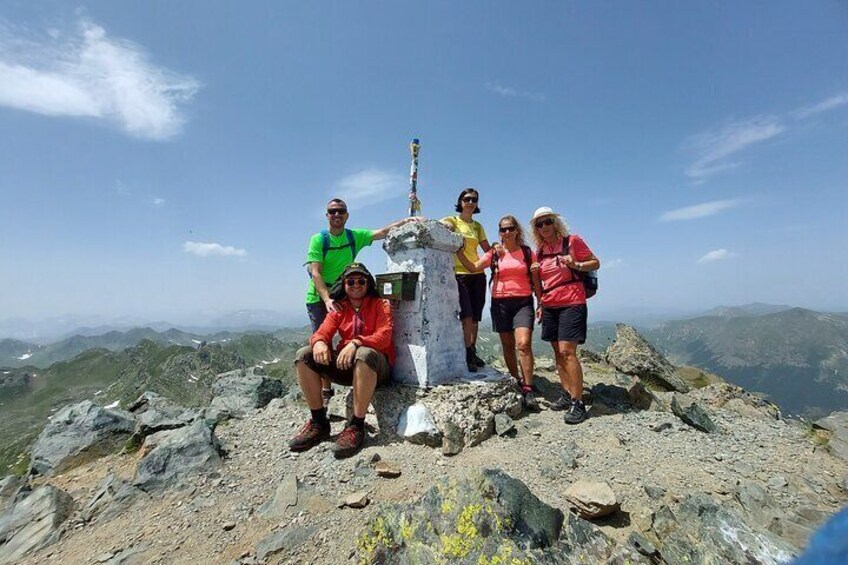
470, 199
336, 211
356, 282
542, 223
506, 229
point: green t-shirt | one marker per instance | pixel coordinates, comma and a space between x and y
336, 259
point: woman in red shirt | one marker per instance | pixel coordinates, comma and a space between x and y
362, 359
562, 257
514, 281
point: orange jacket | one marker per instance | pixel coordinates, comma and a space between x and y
376, 314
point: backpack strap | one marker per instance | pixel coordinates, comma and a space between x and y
575, 275
326, 246
528, 260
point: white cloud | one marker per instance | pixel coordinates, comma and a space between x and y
210, 249
88, 74
369, 187
825, 105
158, 201
698, 210
612, 264
717, 255
714, 148
509, 92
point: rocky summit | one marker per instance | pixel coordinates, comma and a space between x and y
661, 472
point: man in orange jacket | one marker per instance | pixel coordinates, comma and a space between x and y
362, 359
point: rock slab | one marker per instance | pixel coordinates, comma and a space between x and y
33, 522
182, 452
631, 354
79, 433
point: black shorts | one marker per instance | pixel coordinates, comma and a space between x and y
317, 312
565, 324
377, 361
472, 295
511, 313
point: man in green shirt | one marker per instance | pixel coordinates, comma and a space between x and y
330, 252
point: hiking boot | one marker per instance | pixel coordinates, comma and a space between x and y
326, 395
348, 442
469, 361
310, 435
477, 361
575, 414
530, 402
563, 402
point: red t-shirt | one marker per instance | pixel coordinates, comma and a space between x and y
511, 280
553, 272
373, 328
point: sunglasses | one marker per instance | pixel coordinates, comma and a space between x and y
356, 282
542, 223
336, 211
470, 200
506, 229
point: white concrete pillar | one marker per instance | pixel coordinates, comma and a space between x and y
428, 336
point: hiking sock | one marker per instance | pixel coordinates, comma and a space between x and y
319, 416
358, 422
525, 388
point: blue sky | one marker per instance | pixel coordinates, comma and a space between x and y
164, 159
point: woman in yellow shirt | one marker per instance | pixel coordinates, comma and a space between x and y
472, 286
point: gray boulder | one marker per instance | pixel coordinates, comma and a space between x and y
8, 487
465, 521
33, 523
237, 393
79, 433
632, 355
692, 413
703, 531
837, 425
182, 452
156, 413
113, 496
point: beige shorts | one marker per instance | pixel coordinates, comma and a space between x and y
377, 361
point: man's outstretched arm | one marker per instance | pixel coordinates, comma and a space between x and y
383, 232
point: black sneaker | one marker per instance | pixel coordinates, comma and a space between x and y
563, 402
530, 402
477, 361
469, 361
575, 414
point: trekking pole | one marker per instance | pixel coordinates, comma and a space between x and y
414, 203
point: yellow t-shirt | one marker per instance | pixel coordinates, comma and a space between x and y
473, 233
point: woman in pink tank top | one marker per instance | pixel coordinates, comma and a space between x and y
514, 281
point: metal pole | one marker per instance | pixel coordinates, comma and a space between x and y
414, 203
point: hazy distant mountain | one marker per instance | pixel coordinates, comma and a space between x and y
62, 327
753, 309
183, 373
797, 357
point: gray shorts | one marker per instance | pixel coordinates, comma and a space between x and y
377, 361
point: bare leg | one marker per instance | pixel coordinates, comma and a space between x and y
468, 331
508, 346
523, 340
326, 384
573, 381
310, 384
474, 327
364, 383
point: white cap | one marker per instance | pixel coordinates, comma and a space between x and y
542, 211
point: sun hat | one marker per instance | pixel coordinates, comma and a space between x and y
355, 268
542, 211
